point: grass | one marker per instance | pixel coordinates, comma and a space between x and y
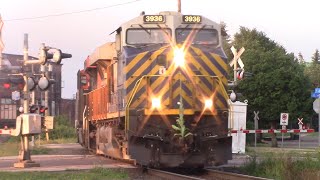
96, 173
12, 146
58, 141
314, 134
283, 167
12, 149
279, 135
62, 133
9, 149
276, 152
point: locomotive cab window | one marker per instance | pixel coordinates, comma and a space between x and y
201, 37
148, 36
83, 80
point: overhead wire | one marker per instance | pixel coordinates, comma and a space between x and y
73, 12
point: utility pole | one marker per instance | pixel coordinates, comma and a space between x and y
179, 6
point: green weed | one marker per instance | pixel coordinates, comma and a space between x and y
283, 166
96, 173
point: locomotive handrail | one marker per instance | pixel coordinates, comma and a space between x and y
137, 84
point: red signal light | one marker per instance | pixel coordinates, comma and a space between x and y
6, 85
43, 109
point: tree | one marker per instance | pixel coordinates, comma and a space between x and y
312, 69
226, 40
279, 84
316, 56
300, 58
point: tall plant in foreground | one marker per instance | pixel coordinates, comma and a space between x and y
180, 128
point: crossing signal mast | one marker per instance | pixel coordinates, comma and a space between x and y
30, 117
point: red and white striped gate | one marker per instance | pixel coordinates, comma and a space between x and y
258, 131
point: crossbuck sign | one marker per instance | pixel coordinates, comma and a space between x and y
236, 58
300, 123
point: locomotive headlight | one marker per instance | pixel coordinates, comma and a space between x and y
156, 103
208, 104
179, 57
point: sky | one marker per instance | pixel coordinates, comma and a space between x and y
292, 24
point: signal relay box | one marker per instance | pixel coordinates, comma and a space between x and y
31, 123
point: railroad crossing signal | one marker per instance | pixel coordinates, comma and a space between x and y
12, 82
45, 55
236, 57
300, 123
42, 110
33, 108
256, 119
284, 118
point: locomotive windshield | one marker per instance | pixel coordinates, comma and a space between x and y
148, 36
201, 36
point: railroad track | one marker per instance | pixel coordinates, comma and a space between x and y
170, 175
208, 175
221, 175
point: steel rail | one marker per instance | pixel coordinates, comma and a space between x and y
170, 175
231, 176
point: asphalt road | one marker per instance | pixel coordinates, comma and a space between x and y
58, 162
306, 142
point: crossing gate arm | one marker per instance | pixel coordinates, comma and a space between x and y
271, 131
13, 132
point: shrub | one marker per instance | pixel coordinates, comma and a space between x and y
62, 129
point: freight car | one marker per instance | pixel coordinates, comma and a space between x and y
157, 94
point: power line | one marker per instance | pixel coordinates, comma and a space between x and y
74, 12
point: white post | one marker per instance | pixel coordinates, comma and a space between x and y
282, 140
255, 139
283, 128
256, 118
319, 125
299, 139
